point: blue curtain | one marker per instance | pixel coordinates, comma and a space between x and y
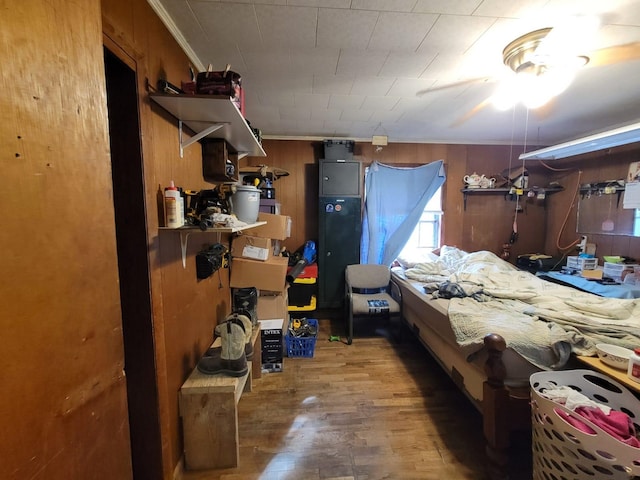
394, 200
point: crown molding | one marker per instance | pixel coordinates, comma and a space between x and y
176, 33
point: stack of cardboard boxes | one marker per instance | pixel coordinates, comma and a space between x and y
256, 263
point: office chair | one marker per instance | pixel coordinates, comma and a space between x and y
370, 293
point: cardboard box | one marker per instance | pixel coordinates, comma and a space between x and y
268, 275
255, 248
273, 305
272, 343
278, 227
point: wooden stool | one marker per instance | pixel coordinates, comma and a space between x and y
209, 411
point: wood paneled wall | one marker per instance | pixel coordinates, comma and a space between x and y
64, 397
185, 309
485, 224
63, 407
589, 168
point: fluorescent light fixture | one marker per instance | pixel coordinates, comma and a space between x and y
592, 143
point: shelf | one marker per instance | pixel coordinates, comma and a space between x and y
211, 116
270, 173
186, 231
617, 375
507, 191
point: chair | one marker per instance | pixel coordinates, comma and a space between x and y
367, 287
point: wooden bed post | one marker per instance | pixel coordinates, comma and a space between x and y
502, 413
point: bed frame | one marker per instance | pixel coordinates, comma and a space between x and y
505, 408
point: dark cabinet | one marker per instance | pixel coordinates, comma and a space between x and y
339, 227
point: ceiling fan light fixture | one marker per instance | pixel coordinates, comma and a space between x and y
507, 94
543, 65
520, 53
530, 53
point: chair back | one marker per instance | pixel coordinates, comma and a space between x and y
367, 276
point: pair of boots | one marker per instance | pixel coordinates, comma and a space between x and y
231, 358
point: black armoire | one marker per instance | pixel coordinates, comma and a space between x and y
339, 226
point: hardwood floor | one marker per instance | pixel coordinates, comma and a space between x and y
377, 409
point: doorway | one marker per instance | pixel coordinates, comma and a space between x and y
133, 267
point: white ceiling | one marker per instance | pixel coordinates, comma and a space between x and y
354, 68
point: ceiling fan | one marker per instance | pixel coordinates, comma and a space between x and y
542, 64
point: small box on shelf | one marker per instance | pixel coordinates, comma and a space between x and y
219, 162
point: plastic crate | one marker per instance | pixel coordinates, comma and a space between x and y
582, 263
301, 346
614, 270
561, 450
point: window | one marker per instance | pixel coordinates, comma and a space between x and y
426, 236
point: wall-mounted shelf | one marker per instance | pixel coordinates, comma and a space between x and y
506, 191
603, 188
211, 116
186, 231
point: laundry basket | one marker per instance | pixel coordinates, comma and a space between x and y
560, 450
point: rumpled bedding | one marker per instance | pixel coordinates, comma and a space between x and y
531, 314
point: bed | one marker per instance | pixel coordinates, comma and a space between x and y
490, 326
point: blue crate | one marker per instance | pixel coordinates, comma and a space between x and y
301, 346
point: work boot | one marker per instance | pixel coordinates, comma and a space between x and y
232, 357
232, 360
248, 328
245, 318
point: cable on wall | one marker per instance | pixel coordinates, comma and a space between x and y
566, 218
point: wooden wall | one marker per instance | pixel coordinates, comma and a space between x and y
544, 226
485, 224
588, 168
185, 309
63, 406
64, 395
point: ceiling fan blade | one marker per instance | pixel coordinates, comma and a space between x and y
471, 113
448, 86
615, 54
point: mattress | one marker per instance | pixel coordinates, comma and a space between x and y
428, 317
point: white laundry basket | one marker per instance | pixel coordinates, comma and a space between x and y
561, 451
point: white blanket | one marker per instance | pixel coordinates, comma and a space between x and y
534, 316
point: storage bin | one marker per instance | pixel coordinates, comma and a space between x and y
614, 270
301, 291
310, 307
245, 203
302, 346
561, 450
581, 263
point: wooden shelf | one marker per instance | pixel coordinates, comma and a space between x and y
616, 374
507, 191
186, 231
190, 229
211, 116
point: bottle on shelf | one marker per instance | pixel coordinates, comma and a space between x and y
173, 209
633, 371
